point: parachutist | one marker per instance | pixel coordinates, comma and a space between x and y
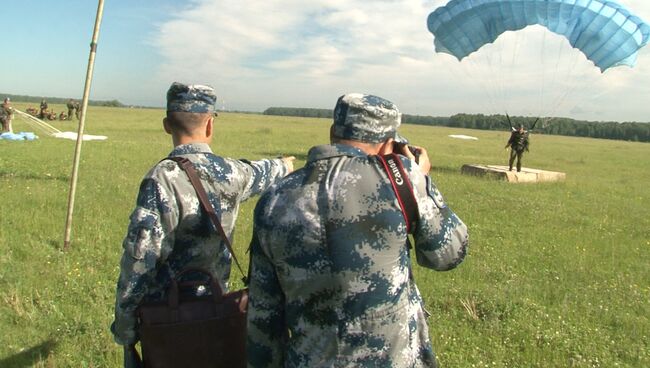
518, 142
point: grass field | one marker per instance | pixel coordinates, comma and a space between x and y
558, 274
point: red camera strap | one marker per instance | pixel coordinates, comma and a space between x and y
402, 187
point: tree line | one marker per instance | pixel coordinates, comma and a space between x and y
60, 100
628, 131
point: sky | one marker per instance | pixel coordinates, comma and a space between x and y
296, 53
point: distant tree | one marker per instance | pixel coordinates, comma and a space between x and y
556, 126
58, 100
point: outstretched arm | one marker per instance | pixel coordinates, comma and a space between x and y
260, 175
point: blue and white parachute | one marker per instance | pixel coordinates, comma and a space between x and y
22, 136
604, 31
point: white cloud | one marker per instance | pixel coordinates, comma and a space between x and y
294, 53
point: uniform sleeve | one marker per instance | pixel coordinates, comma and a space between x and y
265, 312
510, 140
441, 238
148, 237
258, 176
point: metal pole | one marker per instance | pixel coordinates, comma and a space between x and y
82, 120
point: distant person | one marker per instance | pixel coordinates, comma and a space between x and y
518, 143
32, 111
51, 115
77, 109
168, 232
71, 108
43, 112
331, 283
63, 116
7, 115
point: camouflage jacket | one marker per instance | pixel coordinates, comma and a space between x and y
330, 281
518, 140
6, 110
168, 231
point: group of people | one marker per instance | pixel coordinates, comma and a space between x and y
331, 280
74, 108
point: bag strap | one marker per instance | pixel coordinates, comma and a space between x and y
402, 187
187, 166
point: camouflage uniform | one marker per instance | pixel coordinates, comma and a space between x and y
6, 116
168, 231
71, 105
43, 112
518, 142
331, 282
77, 109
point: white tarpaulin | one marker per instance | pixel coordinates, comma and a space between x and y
73, 136
461, 136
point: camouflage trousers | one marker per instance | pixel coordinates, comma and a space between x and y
6, 124
515, 154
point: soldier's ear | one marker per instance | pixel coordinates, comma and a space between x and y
168, 130
209, 127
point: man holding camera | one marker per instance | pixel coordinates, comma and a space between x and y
331, 283
168, 232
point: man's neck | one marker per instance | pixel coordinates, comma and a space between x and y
367, 148
187, 140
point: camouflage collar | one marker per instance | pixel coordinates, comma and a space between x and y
333, 150
190, 148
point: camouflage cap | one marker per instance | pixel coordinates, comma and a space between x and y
190, 98
365, 118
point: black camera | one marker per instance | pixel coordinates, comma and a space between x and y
400, 142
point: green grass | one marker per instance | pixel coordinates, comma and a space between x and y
557, 274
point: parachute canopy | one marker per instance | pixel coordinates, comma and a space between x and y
22, 136
604, 31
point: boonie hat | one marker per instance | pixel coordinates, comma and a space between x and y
365, 118
190, 98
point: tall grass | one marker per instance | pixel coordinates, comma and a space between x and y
557, 274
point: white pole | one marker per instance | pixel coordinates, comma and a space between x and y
82, 120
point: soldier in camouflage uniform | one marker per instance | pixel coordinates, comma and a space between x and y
168, 232
330, 274
43, 110
71, 105
77, 109
518, 142
6, 115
